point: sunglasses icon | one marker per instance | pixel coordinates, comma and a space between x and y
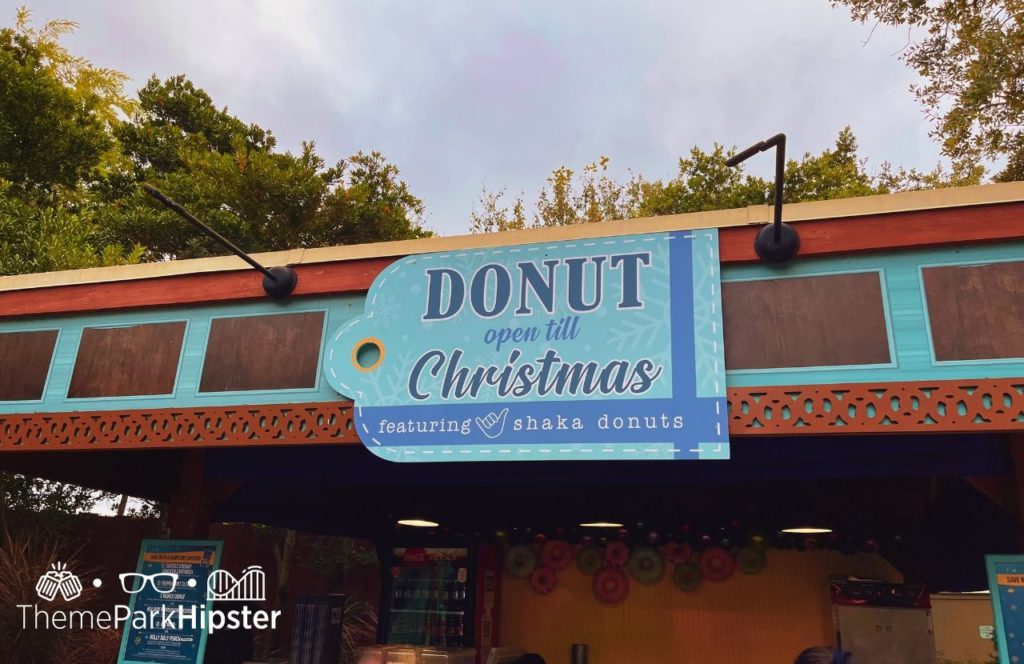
162, 582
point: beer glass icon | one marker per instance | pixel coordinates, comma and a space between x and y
58, 580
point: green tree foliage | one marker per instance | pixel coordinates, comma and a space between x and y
370, 204
56, 115
48, 136
74, 150
31, 500
704, 182
595, 197
970, 55
491, 215
230, 175
174, 118
100, 88
41, 237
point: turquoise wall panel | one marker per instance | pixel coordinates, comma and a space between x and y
906, 312
186, 392
900, 273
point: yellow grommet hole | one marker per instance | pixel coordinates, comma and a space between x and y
368, 354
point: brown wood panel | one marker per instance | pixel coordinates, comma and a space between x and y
126, 361
24, 364
275, 352
925, 228
805, 322
976, 311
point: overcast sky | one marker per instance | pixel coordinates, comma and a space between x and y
461, 93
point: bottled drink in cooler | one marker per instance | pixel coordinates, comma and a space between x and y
429, 598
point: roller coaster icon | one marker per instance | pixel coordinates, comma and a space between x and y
251, 586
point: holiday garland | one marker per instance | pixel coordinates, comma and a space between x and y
615, 564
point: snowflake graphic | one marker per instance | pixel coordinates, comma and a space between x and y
387, 310
386, 388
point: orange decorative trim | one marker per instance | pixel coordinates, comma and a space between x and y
231, 426
933, 407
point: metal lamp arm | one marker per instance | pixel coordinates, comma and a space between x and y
779, 242
278, 282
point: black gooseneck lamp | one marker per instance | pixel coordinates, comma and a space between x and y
778, 242
278, 282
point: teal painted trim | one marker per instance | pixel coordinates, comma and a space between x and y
911, 337
338, 310
890, 336
928, 320
927, 317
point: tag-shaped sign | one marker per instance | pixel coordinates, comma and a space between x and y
604, 348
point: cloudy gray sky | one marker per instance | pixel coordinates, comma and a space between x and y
459, 93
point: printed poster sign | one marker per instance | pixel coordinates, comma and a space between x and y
603, 348
1006, 584
170, 581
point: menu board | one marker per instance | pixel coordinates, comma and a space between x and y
1006, 583
168, 605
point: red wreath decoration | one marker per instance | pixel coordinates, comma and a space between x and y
557, 555
611, 586
616, 553
543, 580
716, 564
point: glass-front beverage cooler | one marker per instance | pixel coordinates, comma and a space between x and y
444, 597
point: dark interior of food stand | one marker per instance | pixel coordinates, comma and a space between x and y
931, 505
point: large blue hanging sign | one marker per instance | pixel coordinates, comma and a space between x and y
604, 348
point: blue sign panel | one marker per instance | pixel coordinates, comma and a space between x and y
605, 348
168, 594
1006, 583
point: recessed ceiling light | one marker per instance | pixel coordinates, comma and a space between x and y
601, 524
418, 523
807, 530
